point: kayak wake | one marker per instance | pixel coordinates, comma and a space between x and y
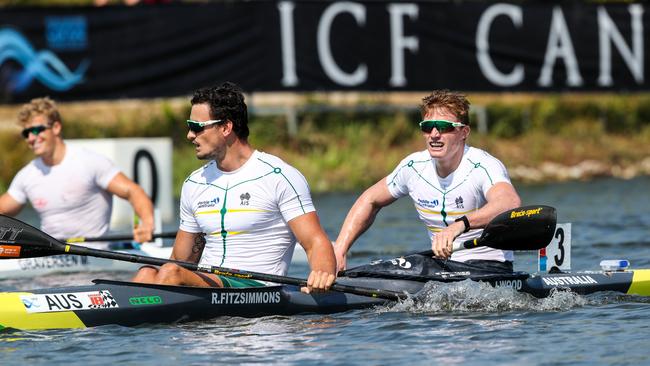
480, 297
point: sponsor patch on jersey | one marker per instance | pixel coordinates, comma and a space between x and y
39, 203
70, 301
428, 203
211, 203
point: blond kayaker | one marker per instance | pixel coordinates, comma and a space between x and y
456, 189
70, 188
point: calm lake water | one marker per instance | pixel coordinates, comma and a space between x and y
458, 324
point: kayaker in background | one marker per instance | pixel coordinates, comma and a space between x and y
244, 209
456, 189
70, 188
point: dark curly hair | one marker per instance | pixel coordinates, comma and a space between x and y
226, 101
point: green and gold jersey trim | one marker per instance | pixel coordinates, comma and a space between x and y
223, 211
412, 164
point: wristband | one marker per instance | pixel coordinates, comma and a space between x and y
465, 221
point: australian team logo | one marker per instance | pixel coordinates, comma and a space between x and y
245, 198
459, 202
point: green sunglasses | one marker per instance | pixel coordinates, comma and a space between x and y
196, 126
439, 124
34, 130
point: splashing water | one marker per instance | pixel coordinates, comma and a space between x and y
471, 296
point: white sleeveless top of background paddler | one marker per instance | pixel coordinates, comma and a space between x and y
244, 213
439, 201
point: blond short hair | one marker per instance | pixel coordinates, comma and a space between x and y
39, 107
453, 102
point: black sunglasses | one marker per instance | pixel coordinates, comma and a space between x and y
196, 126
34, 130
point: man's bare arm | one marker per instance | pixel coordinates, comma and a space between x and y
125, 188
188, 247
360, 217
9, 206
310, 235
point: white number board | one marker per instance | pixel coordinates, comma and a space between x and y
558, 252
148, 162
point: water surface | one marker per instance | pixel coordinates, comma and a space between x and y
464, 323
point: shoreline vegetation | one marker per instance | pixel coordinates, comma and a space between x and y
347, 141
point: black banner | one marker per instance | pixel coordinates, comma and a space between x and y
75, 53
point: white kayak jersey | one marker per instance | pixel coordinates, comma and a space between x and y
70, 198
440, 201
244, 213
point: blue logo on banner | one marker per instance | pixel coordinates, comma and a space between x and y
66, 33
42, 65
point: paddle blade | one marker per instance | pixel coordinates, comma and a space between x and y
21, 240
523, 228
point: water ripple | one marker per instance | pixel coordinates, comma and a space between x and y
464, 323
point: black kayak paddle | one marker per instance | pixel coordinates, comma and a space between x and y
21, 240
524, 228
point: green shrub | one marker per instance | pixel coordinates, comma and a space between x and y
349, 149
15, 154
505, 120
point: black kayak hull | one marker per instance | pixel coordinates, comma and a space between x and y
130, 304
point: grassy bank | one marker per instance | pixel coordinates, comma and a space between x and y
539, 138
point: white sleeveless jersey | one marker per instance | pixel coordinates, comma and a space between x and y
70, 197
439, 201
244, 213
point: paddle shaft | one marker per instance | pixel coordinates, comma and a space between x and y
524, 228
79, 250
119, 237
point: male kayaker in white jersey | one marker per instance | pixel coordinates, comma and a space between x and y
70, 188
456, 189
244, 209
